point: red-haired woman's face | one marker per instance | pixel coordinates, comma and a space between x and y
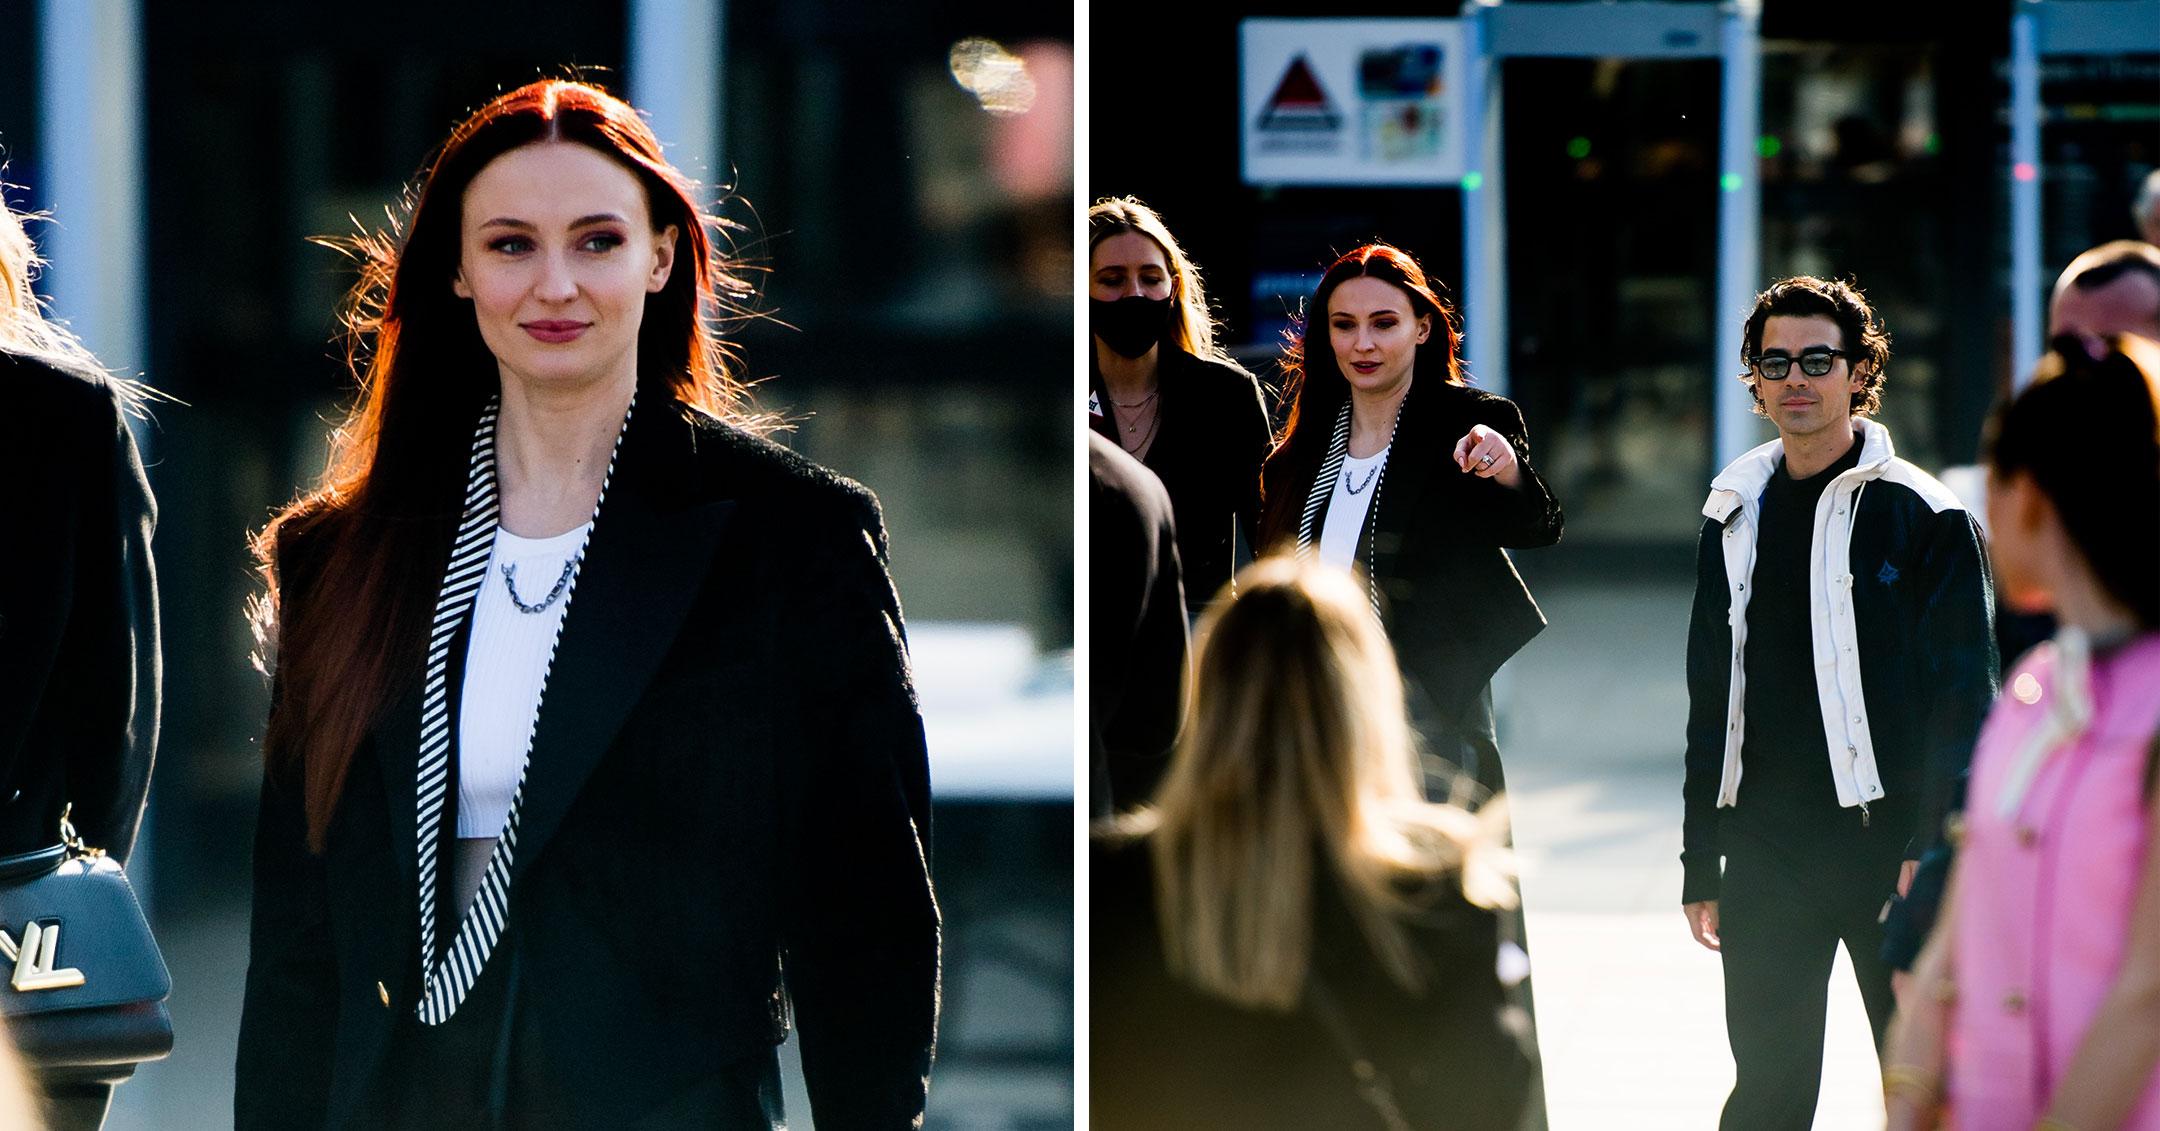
1375, 333
557, 254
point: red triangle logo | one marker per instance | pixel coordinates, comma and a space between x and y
1298, 102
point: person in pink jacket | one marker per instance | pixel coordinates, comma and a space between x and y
2037, 1002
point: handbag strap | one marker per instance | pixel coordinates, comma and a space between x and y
27, 865
1373, 1085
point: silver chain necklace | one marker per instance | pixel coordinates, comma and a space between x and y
1359, 489
509, 576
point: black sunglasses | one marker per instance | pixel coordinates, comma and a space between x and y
1813, 363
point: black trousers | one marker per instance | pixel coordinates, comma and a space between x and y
1782, 911
1460, 762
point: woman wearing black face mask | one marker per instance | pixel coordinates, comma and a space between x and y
1164, 390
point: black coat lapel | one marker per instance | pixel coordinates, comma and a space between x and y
648, 559
1420, 453
397, 749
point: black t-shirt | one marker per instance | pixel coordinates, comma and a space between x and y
1785, 781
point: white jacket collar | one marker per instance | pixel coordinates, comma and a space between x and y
1746, 477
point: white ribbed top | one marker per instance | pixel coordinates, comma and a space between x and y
1346, 512
505, 665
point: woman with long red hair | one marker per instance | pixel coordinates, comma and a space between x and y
592, 745
1420, 489
1390, 464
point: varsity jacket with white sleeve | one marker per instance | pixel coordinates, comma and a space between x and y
1905, 666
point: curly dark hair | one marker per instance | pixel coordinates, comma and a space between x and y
1867, 344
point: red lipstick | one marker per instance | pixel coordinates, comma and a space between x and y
555, 330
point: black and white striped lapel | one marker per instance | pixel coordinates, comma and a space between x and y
1323, 490
1323, 485
447, 980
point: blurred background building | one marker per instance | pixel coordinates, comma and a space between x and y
1883, 152
905, 177
1884, 146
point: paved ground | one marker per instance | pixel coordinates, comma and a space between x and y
1630, 1009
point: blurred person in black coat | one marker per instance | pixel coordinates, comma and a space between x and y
79, 664
478, 906
1290, 916
1137, 637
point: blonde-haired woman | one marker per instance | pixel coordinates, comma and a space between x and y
1162, 388
1291, 936
78, 603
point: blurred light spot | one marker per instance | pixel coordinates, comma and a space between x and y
1578, 148
996, 77
1471, 180
1933, 144
1768, 145
1730, 182
2026, 688
2024, 171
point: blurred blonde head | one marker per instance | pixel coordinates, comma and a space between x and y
24, 329
1298, 752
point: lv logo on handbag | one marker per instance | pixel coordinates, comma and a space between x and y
34, 959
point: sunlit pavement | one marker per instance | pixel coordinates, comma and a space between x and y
1630, 1009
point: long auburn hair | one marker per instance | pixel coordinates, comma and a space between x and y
379, 522
1299, 751
1314, 386
1193, 327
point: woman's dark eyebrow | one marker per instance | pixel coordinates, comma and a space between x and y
580, 222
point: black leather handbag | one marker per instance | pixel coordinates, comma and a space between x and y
86, 993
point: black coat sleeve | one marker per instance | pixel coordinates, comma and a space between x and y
1137, 634
1523, 516
116, 608
861, 927
79, 668
289, 1008
289, 1014
1709, 680
1255, 439
1959, 666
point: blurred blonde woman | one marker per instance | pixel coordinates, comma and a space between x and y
78, 605
1291, 936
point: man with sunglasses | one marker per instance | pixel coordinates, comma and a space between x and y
1840, 660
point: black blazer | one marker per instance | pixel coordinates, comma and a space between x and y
1211, 436
79, 673
728, 773
1454, 606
